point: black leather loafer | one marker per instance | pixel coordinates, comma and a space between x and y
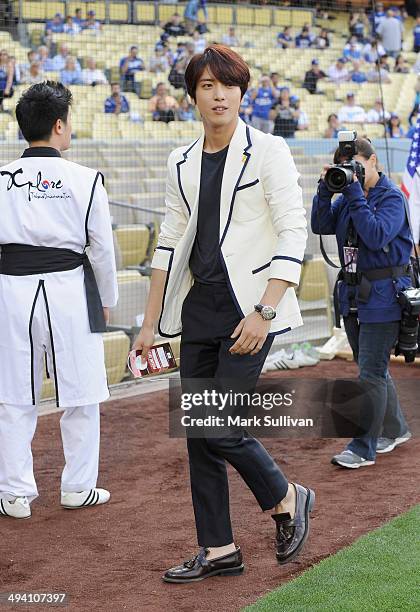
199, 568
291, 533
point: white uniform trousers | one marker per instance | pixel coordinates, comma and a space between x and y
80, 436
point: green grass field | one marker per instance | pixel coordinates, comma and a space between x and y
380, 572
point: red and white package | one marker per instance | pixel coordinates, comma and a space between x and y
160, 358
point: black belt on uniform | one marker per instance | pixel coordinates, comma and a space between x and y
362, 280
25, 259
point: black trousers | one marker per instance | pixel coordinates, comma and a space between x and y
209, 317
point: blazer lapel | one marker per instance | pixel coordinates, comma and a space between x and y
236, 162
188, 170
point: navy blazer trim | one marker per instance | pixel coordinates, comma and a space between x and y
248, 185
282, 331
178, 173
232, 202
267, 265
163, 334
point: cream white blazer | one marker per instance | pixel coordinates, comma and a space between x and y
262, 226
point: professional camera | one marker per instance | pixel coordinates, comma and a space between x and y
340, 175
407, 344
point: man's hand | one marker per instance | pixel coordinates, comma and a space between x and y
324, 171
144, 340
252, 332
106, 314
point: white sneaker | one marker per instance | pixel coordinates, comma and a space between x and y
84, 499
281, 360
18, 508
302, 357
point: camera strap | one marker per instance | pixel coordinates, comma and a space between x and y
416, 267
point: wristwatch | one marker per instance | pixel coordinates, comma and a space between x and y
267, 312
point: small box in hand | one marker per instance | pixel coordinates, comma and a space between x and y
160, 359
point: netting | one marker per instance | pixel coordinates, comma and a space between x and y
316, 67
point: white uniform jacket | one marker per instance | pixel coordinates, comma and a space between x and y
262, 225
48, 201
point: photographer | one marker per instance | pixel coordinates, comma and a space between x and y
374, 245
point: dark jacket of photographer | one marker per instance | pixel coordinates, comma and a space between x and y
380, 223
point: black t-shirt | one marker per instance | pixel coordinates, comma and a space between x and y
205, 260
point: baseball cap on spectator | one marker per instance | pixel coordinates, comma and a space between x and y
350, 94
341, 60
394, 116
58, 15
315, 62
294, 99
284, 88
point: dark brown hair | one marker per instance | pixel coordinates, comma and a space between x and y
225, 64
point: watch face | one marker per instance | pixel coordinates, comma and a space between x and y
268, 313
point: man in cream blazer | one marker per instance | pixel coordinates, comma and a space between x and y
262, 226
228, 257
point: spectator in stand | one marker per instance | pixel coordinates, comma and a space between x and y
312, 77
378, 16
70, 27
159, 62
43, 57
56, 25
246, 107
373, 50
129, 66
186, 111
201, 27
230, 39
71, 74
190, 15
416, 104
384, 63
275, 81
78, 19
416, 35
357, 75
378, 74
401, 65
334, 126
353, 49
263, 99
92, 23
412, 120
302, 117
285, 118
285, 39
175, 27
304, 39
163, 112
350, 112
359, 25
394, 127
391, 31
377, 114
34, 74
116, 103
91, 75
338, 73
199, 42
25, 67
59, 60
6, 77
162, 94
322, 41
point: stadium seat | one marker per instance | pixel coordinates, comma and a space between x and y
133, 242
133, 291
119, 11
117, 347
144, 12
245, 16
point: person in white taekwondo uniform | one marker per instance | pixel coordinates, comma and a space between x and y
228, 257
54, 302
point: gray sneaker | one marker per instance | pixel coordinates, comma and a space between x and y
349, 459
386, 445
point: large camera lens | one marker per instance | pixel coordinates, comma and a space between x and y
337, 177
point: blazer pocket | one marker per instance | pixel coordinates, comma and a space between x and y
247, 185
